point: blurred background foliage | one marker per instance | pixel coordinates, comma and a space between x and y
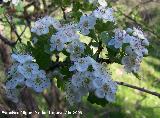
129, 103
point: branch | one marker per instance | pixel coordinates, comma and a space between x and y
138, 88
64, 13
30, 103
7, 41
100, 48
14, 29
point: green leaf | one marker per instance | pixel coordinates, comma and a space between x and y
137, 75
20, 7
41, 51
102, 26
94, 100
88, 51
61, 83
2, 10
104, 36
65, 71
95, 44
92, 34
76, 6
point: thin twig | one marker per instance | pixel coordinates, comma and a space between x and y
7, 41
64, 13
138, 88
14, 29
100, 48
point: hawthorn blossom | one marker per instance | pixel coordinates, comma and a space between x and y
136, 45
119, 38
56, 43
91, 76
138, 33
131, 63
26, 73
86, 23
107, 90
20, 58
83, 79
15, 2
67, 33
75, 48
73, 94
41, 26
104, 13
145, 42
81, 65
94, 2
12, 70
102, 3
38, 82
28, 69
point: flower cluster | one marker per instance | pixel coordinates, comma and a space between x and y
15, 2
25, 71
100, 2
135, 50
65, 34
90, 76
41, 26
104, 12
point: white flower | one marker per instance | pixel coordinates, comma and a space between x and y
107, 90
86, 23
81, 64
129, 30
119, 38
102, 3
104, 13
56, 24
12, 70
15, 2
39, 82
98, 82
75, 48
83, 80
26, 73
57, 43
92, 1
40, 28
138, 33
6, 0
68, 33
136, 45
28, 69
22, 58
145, 42
131, 63
73, 94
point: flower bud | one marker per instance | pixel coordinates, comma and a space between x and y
145, 42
